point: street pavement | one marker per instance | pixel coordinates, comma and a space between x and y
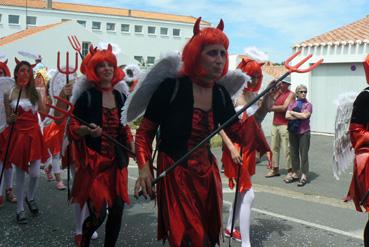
282, 215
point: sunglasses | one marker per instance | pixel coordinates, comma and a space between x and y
305, 92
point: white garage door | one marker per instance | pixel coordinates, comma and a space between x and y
327, 82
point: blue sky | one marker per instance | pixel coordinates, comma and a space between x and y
273, 26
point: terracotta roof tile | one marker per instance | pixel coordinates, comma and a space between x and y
274, 70
25, 33
356, 31
40, 4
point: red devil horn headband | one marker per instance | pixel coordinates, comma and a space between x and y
6, 61
16, 60
110, 48
196, 27
221, 25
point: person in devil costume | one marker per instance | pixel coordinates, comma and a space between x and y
359, 135
101, 177
190, 198
233, 159
27, 149
8, 173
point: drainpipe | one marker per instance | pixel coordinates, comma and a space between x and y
49, 4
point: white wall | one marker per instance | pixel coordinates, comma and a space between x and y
328, 81
130, 43
48, 43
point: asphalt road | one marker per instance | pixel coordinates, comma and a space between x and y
283, 214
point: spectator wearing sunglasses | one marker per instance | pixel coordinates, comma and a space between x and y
299, 112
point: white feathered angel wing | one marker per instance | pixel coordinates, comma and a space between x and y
167, 67
343, 153
234, 82
122, 87
6, 83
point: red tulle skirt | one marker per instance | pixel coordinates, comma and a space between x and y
53, 136
98, 180
26, 144
190, 200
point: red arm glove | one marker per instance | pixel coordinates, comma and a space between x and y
144, 138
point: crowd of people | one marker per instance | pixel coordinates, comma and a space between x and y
189, 198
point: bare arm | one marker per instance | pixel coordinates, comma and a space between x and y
235, 154
283, 108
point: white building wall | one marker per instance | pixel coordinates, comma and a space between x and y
48, 43
131, 43
330, 79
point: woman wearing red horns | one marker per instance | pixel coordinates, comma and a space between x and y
190, 198
101, 178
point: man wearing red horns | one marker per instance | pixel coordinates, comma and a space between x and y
101, 178
190, 197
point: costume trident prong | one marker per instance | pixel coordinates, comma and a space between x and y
73, 40
69, 113
67, 71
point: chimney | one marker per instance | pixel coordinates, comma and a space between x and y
49, 4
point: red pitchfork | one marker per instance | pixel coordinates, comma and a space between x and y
73, 40
67, 71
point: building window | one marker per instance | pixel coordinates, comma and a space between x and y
85, 48
13, 19
150, 60
110, 26
83, 23
176, 32
63, 20
0, 18
31, 20
124, 28
163, 31
151, 30
140, 60
96, 25
138, 29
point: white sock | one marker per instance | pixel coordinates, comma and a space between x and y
80, 216
8, 178
34, 173
245, 217
20, 175
237, 215
56, 164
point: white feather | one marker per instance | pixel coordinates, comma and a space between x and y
256, 54
6, 83
122, 87
28, 55
167, 67
80, 86
343, 153
135, 70
234, 82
